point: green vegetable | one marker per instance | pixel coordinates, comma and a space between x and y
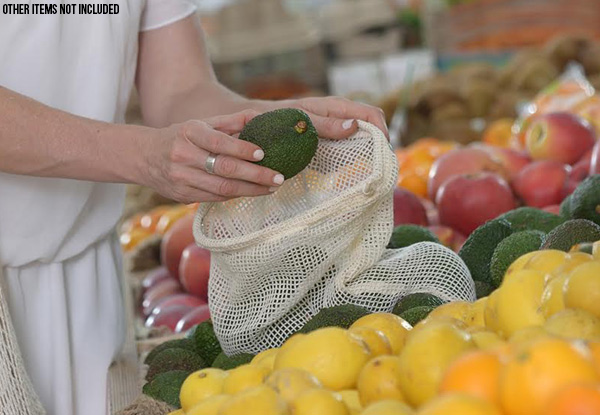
511, 248
171, 344
416, 300
174, 359
287, 137
571, 233
528, 218
416, 314
231, 362
585, 200
339, 316
165, 387
406, 235
205, 340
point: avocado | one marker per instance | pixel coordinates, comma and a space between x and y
571, 233
406, 235
165, 387
479, 247
416, 300
171, 344
585, 200
565, 208
205, 340
225, 362
528, 218
174, 359
511, 248
339, 316
287, 137
483, 289
586, 248
416, 314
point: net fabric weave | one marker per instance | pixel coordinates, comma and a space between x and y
17, 396
318, 241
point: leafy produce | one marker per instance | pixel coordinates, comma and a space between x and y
338, 316
287, 137
479, 248
406, 235
570, 233
174, 359
511, 248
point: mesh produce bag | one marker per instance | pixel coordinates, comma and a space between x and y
17, 396
318, 241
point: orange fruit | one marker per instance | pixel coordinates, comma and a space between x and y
424, 142
475, 374
131, 223
417, 161
414, 183
171, 216
538, 371
458, 404
499, 133
594, 348
577, 399
150, 219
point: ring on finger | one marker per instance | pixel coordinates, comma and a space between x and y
209, 164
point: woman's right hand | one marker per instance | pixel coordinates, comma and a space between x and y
176, 161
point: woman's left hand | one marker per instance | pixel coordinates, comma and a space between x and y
335, 117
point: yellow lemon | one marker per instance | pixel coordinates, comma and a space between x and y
573, 260
244, 377
201, 385
318, 402
546, 261
266, 358
291, 382
527, 335
518, 302
574, 324
490, 313
209, 406
460, 310
596, 250
351, 398
375, 340
458, 404
553, 297
388, 407
331, 354
177, 412
380, 379
475, 317
425, 357
582, 289
393, 327
519, 263
486, 339
260, 400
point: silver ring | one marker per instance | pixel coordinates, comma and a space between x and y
209, 164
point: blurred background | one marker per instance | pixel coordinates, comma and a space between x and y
451, 70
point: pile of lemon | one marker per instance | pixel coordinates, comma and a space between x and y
530, 348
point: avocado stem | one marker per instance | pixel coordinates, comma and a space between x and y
300, 127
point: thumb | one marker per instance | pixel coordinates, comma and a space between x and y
334, 128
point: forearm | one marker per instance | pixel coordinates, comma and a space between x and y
37, 140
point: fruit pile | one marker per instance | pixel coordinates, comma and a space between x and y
175, 294
532, 347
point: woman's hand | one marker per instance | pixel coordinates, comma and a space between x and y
335, 117
176, 161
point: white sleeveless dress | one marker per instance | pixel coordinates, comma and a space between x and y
58, 251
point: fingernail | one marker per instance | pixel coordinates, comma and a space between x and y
278, 179
346, 125
258, 155
272, 189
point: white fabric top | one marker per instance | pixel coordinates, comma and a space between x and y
83, 64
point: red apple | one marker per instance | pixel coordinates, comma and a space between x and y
169, 317
187, 300
461, 161
552, 209
408, 209
559, 136
578, 172
154, 277
595, 160
194, 317
513, 161
433, 218
194, 270
541, 183
158, 292
467, 201
177, 238
448, 237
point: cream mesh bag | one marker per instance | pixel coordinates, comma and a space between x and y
17, 396
319, 241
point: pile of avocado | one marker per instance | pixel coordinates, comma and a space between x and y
491, 248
